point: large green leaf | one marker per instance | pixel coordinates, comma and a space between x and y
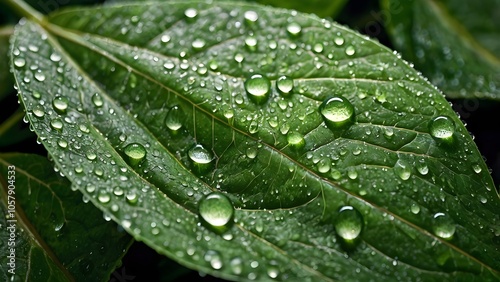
61, 238
455, 43
147, 93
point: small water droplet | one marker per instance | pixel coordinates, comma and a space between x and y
251, 152
135, 153
174, 118
19, 62
251, 17
349, 223
62, 143
273, 270
91, 155
402, 169
253, 127
337, 111
476, 168
103, 197
295, 139
293, 29
97, 100
318, 48
338, 41
198, 44
39, 76
349, 51
442, 127
422, 167
60, 104
415, 209
324, 165
56, 124
165, 38
216, 209
54, 57
251, 43
38, 111
236, 265
214, 259
132, 198
284, 84
191, 13
352, 173
443, 226
257, 88
201, 159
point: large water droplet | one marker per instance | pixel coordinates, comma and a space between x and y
349, 223
284, 84
251, 17
442, 127
38, 111
295, 139
337, 111
39, 76
56, 124
19, 62
257, 88
174, 118
443, 226
135, 153
216, 209
60, 104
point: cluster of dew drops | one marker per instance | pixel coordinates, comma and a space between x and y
216, 209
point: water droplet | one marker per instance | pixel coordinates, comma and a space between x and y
236, 265
476, 168
422, 167
257, 88
19, 62
349, 51
198, 44
294, 29
54, 57
56, 124
273, 270
295, 139
442, 127
337, 111
388, 132
349, 223
324, 165
91, 155
443, 226
60, 104
251, 152
216, 209
251, 43
103, 197
90, 188
253, 127
174, 118
38, 111
201, 159
132, 198
165, 38
132, 81
251, 17
338, 41
402, 169
214, 259
318, 48
415, 209
284, 84
62, 143
191, 13
352, 173
39, 76
97, 100
135, 153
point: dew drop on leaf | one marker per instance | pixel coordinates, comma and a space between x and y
135, 153
349, 51
414, 208
198, 44
38, 111
349, 223
295, 139
318, 48
402, 169
284, 84
174, 118
251, 17
251, 43
337, 111
56, 124
216, 209
132, 198
293, 29
442, 127
199, 155
443, 226
257, 87
236, 265
103, 197
19, 62
97, 100
338, 41
60, 104
214, 258
191, 13
476, 168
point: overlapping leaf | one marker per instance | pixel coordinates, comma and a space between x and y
454, 43
59, 237
167, 77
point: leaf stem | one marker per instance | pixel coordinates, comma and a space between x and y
23, 9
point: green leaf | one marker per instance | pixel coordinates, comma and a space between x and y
454, 43
322, 8
60, 237
6, 79
158, 117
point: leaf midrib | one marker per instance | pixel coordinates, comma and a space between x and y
67, 34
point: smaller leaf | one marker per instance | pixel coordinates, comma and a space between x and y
454, 43
56, 224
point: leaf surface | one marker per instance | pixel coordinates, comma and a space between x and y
153, 88
60, 238
454, 43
